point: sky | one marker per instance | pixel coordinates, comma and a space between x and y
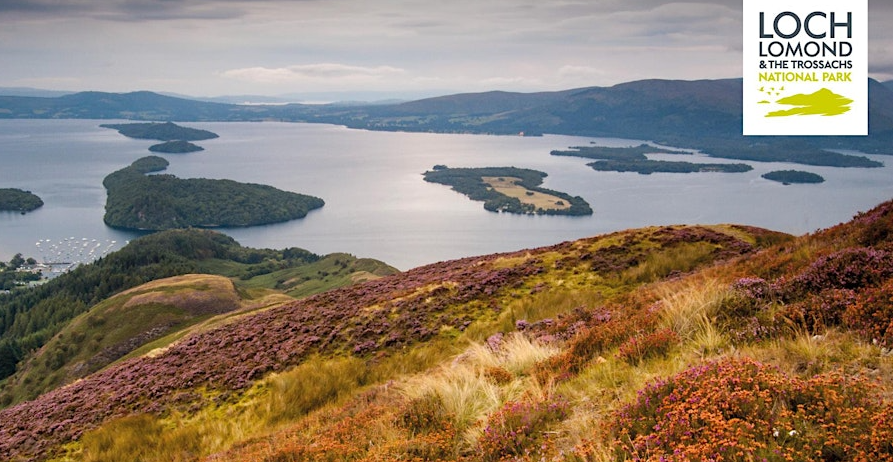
395, 47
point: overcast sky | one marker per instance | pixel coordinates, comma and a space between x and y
269, 47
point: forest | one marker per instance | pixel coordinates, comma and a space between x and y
647, 167
793, 176
28, 318
17, 200
11, 275
155, 202
175, 147
167, 131
633, 159
634, 153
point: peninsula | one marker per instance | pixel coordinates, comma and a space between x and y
508, 189
156, 202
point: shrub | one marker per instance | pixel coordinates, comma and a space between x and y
644, 346
872, 315
822, 310
851, 268
425, 414
431, 434
742, 410
520, 427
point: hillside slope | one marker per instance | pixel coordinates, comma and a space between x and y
676, 342
34, 356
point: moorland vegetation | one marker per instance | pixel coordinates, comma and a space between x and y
31, 318
662, 343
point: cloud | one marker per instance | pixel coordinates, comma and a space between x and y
330, 72
126, 10
580, 71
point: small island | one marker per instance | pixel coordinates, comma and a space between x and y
166, 131
508, 189
139, 201
175, 147
634, 153
17, 200
633, 159
647, 167
794, 177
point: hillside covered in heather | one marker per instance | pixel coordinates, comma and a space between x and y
719, 342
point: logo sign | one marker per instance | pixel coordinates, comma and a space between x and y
805, 67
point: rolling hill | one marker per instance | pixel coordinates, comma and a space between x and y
673, 342
60, 331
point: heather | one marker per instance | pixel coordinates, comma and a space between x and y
662, 343
740, 409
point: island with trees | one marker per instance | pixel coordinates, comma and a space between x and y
139, 201
175, 147
794, 177
634, 159
17, 200
508, 189
161, 131
633, 153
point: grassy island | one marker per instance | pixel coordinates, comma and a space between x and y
17, 200
509, 189
175, 147
167, 131
633, 159
156, 202
793, 176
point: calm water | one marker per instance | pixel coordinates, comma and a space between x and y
377, 204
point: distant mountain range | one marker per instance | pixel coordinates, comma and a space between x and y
702, 114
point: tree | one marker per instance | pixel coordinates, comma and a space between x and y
16, 262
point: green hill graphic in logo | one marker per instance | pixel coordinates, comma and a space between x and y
823, 102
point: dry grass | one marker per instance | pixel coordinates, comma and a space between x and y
510, 187
467, 390
689, 306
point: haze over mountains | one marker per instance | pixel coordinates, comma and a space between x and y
704, 114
